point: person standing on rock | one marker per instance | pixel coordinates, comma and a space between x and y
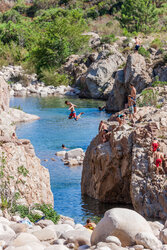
103, 130
73, 112
137, 43
158, 160
133, 96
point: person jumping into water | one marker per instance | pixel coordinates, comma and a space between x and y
73, 112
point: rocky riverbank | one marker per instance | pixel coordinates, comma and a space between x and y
119, 229
18, 161
22, 84
122, 169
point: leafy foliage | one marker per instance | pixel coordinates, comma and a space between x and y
148, 98
50, 77
139, 15
24, 211
142, 51
159, 84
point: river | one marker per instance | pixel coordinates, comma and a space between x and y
48, 134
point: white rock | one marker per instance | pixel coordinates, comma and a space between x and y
23, 239
79, 237
164, 247
156, 227
31, 246
16, 218
61, 229
17, 87
138, 247
57, 247
148, 240
44, 223
45, 234
2, 243
4, 221
69, 222
39, 212
6, 233
61, 153
163, 236
74, 153
113, 239
59, 242
116, 222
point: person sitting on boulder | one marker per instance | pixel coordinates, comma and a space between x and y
73, 112
90, 225
121, 118
103, 130
158, 160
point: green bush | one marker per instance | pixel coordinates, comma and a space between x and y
50, 77
148, 98
108, 38
156, 43
165, 58
159, 84
48, 211
92, 12
142, 51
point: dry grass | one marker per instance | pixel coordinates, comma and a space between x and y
105, 25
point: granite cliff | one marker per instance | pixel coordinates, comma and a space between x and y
121, 170
35, 187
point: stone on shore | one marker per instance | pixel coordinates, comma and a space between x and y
24, 239
6, 233
148, 240
78, 237
45, 234
163, 236
116, 222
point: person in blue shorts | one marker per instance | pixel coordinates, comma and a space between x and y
121, 118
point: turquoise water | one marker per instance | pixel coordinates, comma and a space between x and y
48, 134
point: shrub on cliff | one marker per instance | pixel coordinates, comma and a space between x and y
148, 97
142, 51
50, 77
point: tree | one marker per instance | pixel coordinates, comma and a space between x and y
139, 15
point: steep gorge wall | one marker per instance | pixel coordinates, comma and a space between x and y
122, 170
35, 187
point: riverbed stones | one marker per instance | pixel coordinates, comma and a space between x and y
44, 223
19, 228
6, 233
23, 239
45, 234
163, 236
148, 240
116, 223
113, 239
78, 237
60, 229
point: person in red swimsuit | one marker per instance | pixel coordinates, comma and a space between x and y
154, 146
159, 156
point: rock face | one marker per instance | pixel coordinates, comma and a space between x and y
121, 170
4, 95
35, 187
99, 77
134, 72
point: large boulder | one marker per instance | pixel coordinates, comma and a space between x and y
116, 222
79, 237
99, 78
6, 233
135, 72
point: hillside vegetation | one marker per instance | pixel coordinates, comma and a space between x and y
41, 35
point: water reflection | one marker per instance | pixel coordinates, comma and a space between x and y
92, 207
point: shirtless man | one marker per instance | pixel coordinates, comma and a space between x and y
158, 160
73, 112
137, 44
133, 96
103, 130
